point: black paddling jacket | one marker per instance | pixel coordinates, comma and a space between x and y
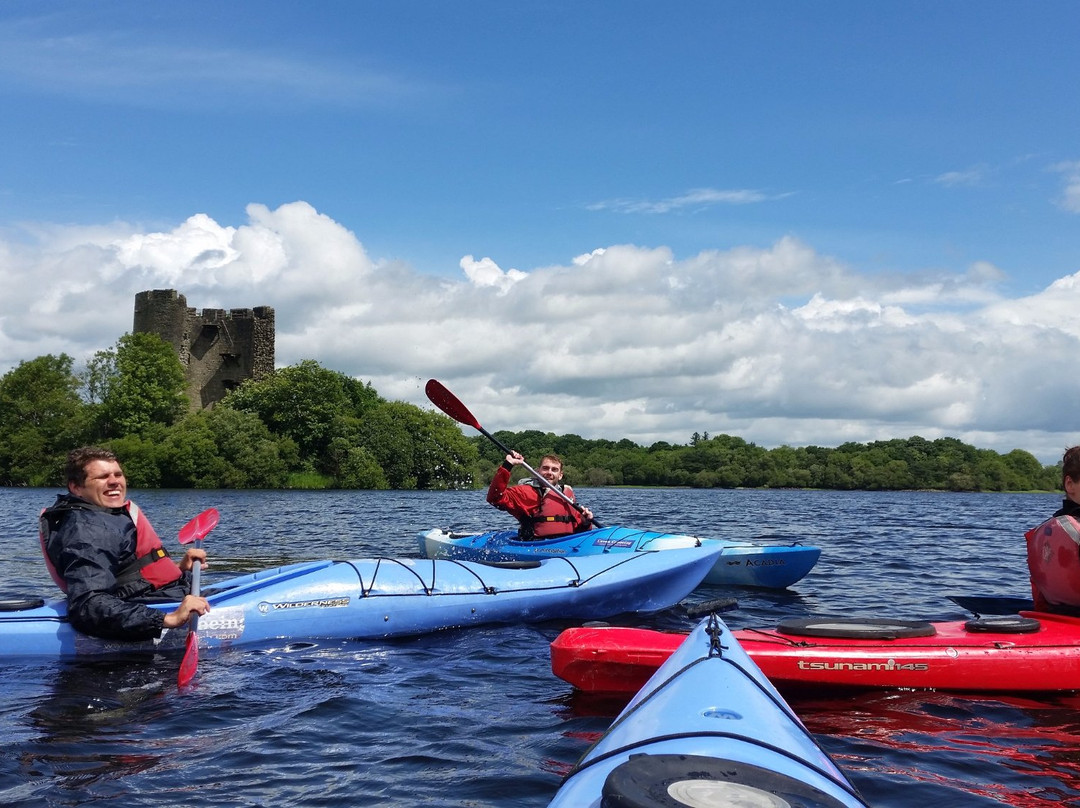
91, 547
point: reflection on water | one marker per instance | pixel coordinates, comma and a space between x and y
475, 717
83, 724
1022, 752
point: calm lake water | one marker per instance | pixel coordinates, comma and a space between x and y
475, 717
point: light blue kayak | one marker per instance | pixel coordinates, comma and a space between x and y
766, 564
707, 731
385, 597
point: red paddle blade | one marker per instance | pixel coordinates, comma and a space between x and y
200, 526
190, 663
449, 403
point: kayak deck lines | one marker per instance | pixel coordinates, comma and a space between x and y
774, 564
716, 651
665, 748
367, 590
638, 538
385, 597
634, 535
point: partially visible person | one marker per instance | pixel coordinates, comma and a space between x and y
102, 551
542, 513
1053, 548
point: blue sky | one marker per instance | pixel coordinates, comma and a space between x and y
799, 223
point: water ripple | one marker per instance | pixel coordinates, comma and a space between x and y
474, 717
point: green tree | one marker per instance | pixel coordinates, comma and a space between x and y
416, 448
305, 402
41, 418
357, 467
597, 477
191, 456
1025, 471
140, 383
253, 457
142, 459
225, 448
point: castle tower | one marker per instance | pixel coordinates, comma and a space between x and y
219, 349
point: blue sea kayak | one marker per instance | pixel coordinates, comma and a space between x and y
707, 730
385, 597
765, 564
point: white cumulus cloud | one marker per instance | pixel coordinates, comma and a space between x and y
776, 343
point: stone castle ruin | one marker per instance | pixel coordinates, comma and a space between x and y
219, 349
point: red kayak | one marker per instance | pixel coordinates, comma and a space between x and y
1027, 652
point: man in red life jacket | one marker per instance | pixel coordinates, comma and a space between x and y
542, 513
102, 551
1053, 548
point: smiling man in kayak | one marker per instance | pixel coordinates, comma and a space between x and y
1053, 548
543, 514
102, 551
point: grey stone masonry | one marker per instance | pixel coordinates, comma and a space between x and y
219, 349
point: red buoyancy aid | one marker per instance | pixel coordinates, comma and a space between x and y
552, 517
151, 561
1053, 556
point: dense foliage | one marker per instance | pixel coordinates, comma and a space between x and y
724, 461
307, 426
303, 426
41, 418
139, 384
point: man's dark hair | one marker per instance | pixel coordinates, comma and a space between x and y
1070, 465
554, 457
79, 459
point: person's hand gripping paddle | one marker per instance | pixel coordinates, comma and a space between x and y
194, 531
452, 406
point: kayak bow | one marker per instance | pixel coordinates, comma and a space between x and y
707, 730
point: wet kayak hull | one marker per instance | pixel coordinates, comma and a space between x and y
385, 597
959, 656
775, 565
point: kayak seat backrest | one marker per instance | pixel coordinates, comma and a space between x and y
979, 605
709, 606
19, 604
524, 564
1003, 624
712, 781
855, 628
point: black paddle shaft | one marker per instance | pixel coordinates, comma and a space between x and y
452, 406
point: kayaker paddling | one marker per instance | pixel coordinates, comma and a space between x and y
524, 502
544, 511
103, 553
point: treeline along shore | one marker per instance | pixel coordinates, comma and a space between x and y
305, 426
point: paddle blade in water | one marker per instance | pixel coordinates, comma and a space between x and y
190, 663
